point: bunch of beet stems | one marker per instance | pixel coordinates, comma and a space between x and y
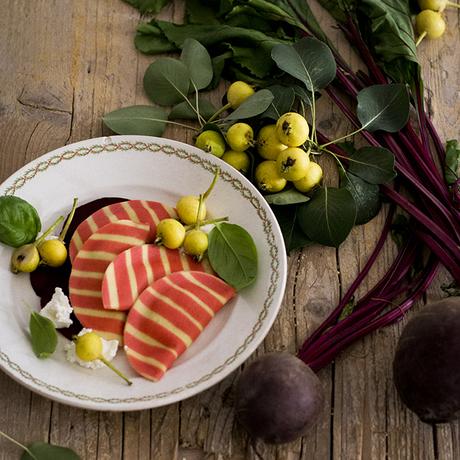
434, 219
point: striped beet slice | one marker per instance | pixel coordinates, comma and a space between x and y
168, 316
140, 211
138, 267
89, 266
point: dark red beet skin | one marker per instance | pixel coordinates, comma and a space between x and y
426, 366
45, 279
278, 398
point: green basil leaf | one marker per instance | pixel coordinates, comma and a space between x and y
373, 164
45, 451
383, 107
294, 237
366, 196
286, 197
329, 216
148, 6
233, 255
19, 221
138, 119
452, 168
43, 335
283, 100
309, 60
167, 81
252, 106
198, 61
184, 110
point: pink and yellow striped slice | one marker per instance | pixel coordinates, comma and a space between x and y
138, 267
88, 268
168, 316
139, 211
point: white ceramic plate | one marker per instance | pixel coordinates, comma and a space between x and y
140, 167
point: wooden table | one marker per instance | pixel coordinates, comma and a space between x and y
64, 64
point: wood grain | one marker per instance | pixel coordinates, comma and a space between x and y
64, 64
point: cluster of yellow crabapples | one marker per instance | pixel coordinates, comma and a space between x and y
279, 146
429, 22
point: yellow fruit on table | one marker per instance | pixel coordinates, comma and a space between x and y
240, 137
239, 160
211, 142
311, 179
292, 129
268, 144
238, 92
430, 23
292, 163
268, 178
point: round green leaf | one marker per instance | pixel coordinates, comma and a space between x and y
283, 99
137, 119
329, 216
198, 61
384, 107
373, 164
252, 106
167, 81
184, 110
286, 197
45, 451
294, 237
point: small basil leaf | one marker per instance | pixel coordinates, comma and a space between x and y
198, 61
383, 107
366, 196
19, 221
452, 167
373, 164
43, 335
233, 255
184, 110
286, 197
253, 105
283, 99
329, 216
45, 451
166, 81
138, 119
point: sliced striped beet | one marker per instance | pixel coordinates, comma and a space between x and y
88, 268
136, 268
140, 211
168, 316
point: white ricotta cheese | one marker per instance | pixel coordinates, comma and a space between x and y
58, 309
109, 350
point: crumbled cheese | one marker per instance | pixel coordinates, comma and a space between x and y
58, 309
109, 350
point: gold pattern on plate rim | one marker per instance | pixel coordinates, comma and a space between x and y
208, 166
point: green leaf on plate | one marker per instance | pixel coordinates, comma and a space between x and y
309, 60
283, 99
137, 119
383, 107
184, 110
286, 197
452, 168
252, 106
167, 81
45, 451
329, 216
373, 164
233, 255
198, 61
43, 335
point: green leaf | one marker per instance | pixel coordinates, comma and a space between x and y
309, 60
366, 196
138, 119
148, 6
150, 39
252, 106
286, 197
329, 216
452, 168
197, 12
166, 81
43, 335
184, 111
373, 164
384, 107
233, 255
196, 57
45, 451
283, 100
347, 309
19, 221
294, 237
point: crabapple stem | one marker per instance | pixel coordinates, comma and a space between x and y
55, 224
68, 221
114, 369
207, 222
420, 38
221, 110
200, 205
455, 5
214, 180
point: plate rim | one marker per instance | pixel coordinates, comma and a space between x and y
110, 144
